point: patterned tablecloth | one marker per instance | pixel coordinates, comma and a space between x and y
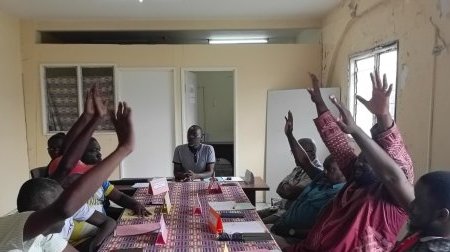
187, 232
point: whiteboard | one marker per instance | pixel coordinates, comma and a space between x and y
150, 93
279, 160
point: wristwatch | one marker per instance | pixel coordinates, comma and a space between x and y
291, 232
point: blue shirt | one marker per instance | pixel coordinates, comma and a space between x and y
303, 211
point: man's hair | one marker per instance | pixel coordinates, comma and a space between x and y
195, 127
37, 193
438, 183
92, 142
56, 137
308, 141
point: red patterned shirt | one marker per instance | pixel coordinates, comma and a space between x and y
360, 218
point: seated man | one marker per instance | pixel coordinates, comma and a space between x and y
106, 192
429, 214
292, 186
193, 160
428, 203
295, 223
25, 231
37, 194
363, 216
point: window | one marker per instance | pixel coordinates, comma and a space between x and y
383, 59
64, 90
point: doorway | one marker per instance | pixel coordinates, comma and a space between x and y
208, 100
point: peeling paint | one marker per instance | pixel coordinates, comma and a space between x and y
353, 6
444, 8
402, 76
439, 43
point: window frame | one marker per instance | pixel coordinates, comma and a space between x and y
375, 52
78, 66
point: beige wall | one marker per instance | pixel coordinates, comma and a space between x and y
423, 87
13, 145
258, 69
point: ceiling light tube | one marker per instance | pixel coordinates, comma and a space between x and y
237, 41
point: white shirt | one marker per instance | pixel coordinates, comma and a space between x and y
11, 236
83, 214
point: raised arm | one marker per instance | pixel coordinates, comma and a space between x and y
336, 141
97, 108
87, 115
300, 156
389, 172
78, 193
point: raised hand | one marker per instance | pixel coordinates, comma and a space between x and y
316, 96
289, 126
379, 103
101, 105
124, 126
346, 122
89, 102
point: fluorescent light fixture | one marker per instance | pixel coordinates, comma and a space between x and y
238, 41
140, 1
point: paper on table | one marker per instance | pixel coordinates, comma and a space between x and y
222, 205
244, 227
128, 214
230, 205
232, 179
158, 186
244, 206
136, 229
140, 185
208, 179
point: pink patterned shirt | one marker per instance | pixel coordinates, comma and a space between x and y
360, 218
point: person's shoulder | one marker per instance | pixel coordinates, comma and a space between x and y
11, 229
15, 217
181, 146
208, 146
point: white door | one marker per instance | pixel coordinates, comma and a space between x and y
150, 95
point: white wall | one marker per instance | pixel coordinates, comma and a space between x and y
190, 101
13, 143
218, 101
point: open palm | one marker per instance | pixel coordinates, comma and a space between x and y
379, 103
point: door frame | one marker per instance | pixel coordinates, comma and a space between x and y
183, 104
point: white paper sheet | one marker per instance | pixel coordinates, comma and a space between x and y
140, 185
244, 227
232, 179
230, 205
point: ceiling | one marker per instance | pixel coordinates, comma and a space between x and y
168, 9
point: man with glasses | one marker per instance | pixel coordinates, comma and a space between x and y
193, 160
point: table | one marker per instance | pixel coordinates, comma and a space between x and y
250, 189
187, 232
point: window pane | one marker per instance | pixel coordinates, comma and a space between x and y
388, 66
62, 97
104, 78
363, 117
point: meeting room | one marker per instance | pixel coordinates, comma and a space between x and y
258, 125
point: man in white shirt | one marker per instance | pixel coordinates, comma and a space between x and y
11, 228
36, 194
